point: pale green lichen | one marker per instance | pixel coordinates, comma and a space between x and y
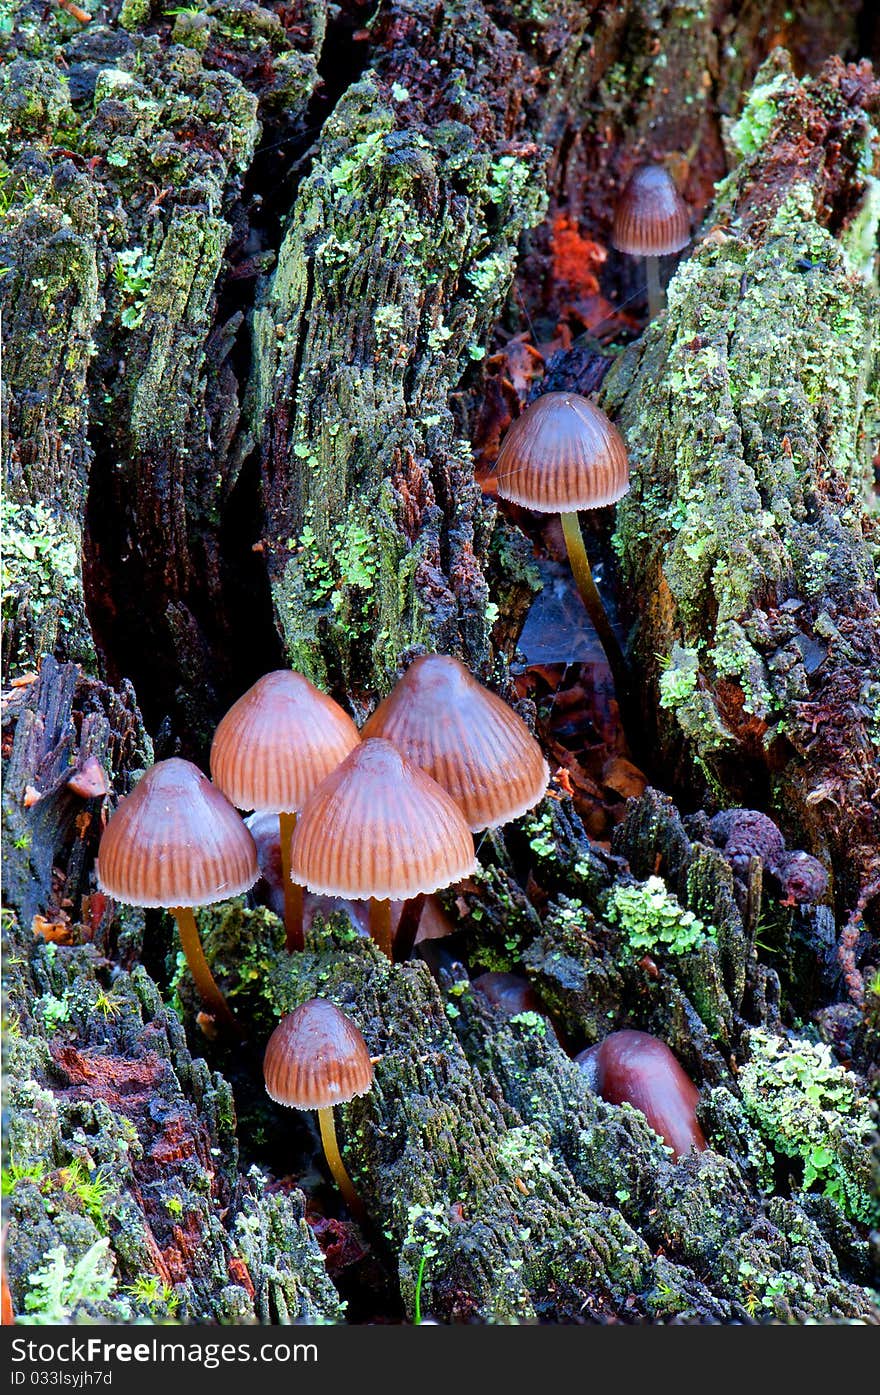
60, 1288
752, 128
811, 1110
768, 349
40, 572
651, 918
397, 257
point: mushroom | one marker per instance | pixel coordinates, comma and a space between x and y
652, 220
563, 454
275, 744
634, 1068
379, 828
177, 842
462, 735
316, 1058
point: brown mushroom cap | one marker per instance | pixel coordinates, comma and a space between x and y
652, 218
634, 1068
379, 827
278, 742
316, 1057
175, 841
562, 454
465, 738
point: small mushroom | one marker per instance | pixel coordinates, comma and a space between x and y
379, 828
475, 746
635, 1068
317, 1058
177, 842
462, 735
273, 747
561, 455
651, 221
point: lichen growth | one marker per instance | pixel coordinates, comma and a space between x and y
42, 582
398, 254
751, 129
811, 1110
651, 918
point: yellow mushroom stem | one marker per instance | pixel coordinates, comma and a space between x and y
204, 980
656, 292
580, 567
335, 1163
293, 892
380, 924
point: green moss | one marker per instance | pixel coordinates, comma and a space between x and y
134, 13
811, 1110
158, 1297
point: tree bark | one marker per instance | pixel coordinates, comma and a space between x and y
746, 542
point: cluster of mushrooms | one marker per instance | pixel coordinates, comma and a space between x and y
388, 814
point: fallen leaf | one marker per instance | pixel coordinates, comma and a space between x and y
89, 781
58, 932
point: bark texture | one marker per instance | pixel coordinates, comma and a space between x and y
747, 543
123, 1184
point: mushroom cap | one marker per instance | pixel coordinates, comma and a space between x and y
277, 742
175, 841
316, 1057
635, 1068
562, 454
380, 827
462, 735
652, 218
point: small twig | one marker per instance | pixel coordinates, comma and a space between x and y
76, 10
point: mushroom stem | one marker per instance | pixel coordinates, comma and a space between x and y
198, 966
335, 1163
293, 892
656, 292
408, 927
580, 566
380, 924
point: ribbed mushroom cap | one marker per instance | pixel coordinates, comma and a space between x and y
379, 827
278, 742
175, 841
316, 1057
562, 454
652, 218
465, 738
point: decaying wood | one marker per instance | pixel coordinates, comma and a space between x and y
248, 303
746, 544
